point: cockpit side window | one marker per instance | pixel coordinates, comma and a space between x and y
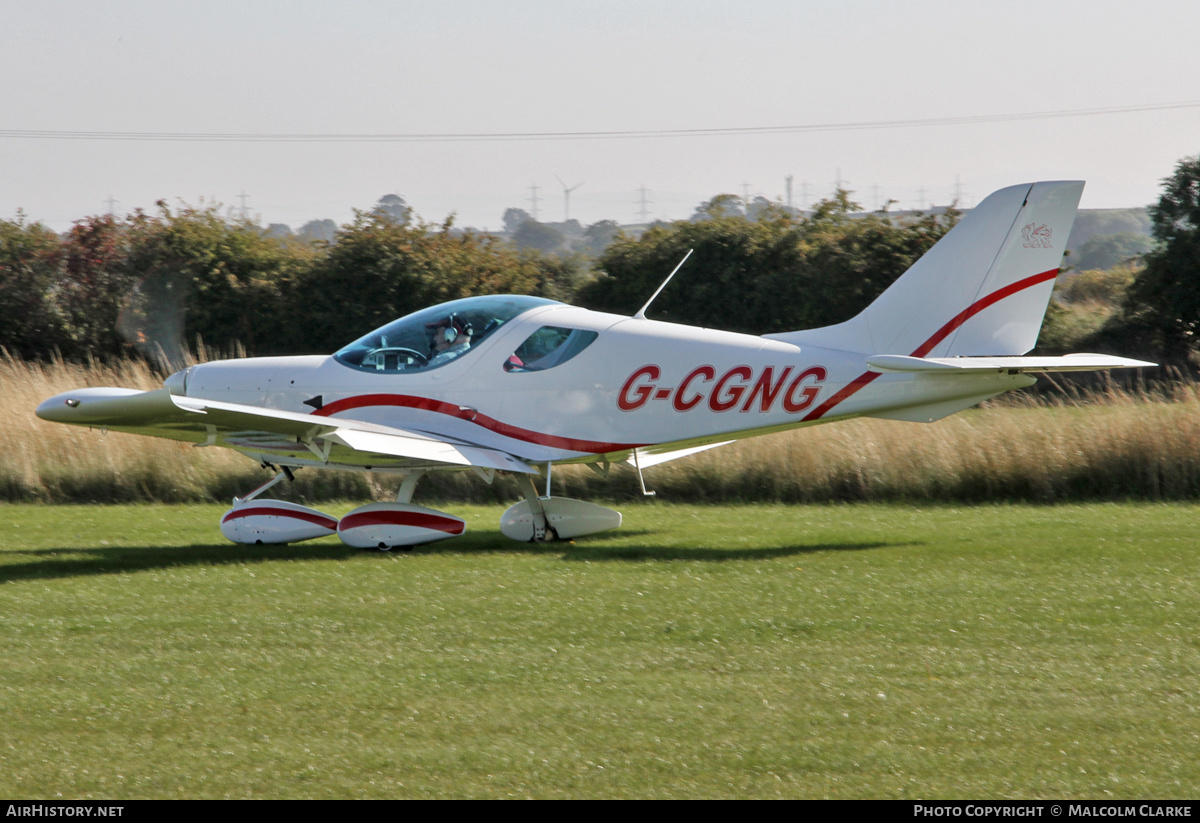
548, 347
434, 337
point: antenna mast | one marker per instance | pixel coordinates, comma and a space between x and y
641, 314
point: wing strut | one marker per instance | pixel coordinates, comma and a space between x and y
264, 487
409, 485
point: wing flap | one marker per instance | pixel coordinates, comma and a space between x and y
393, 445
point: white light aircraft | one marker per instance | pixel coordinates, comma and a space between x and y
517, 384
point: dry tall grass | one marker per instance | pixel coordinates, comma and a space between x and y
1115, 444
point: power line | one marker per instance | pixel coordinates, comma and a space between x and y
451, 137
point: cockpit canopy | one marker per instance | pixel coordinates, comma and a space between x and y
407, 345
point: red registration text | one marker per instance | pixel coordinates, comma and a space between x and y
738, 388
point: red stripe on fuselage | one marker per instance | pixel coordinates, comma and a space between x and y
938, 336
846, 391
472, 416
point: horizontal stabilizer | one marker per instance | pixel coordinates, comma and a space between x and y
959, 365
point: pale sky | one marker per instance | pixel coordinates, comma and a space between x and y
406, 67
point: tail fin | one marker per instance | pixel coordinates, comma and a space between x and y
981, 290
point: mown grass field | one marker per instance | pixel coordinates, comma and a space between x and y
748, 651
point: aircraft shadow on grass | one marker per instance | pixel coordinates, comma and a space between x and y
62, 563
55, 563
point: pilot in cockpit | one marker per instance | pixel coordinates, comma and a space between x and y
451, 338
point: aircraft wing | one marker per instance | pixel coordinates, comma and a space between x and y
277, 436
652, 456
958, 365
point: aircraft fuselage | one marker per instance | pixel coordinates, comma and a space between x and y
639, 383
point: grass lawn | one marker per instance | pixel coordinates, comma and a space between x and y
700, 651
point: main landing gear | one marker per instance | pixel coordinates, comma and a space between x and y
386, 526
539, 519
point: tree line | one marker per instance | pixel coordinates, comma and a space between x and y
152, 283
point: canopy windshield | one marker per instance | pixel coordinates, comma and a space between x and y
410, 344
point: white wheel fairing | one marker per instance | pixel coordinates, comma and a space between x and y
397, 524
567, 517
275, 521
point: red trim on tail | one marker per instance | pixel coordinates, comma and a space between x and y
938, 336
978, 306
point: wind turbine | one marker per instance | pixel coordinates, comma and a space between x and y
566, 197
